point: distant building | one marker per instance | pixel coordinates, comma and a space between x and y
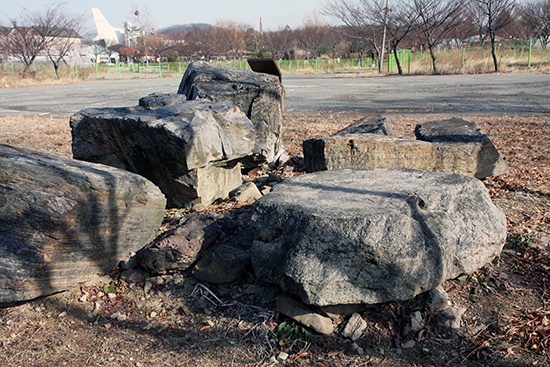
56, 38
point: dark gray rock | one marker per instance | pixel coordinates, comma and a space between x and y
454, 130
63, 221
190, 150
367, 125
259, 96
155, 101
372, 236
180, 248
230, 260
223, 264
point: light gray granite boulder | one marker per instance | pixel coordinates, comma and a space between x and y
372, 236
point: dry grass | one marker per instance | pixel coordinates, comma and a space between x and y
478, 60
41, 133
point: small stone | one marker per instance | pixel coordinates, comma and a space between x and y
84, 298
356, 349
417, 322
62, 314
95, 311
118, 316
301, 313
477, 329
108, 325
438, 299
147, 287
450, 318
409, 344
129, 263
247, 193
282, 356
133, 275
355, 327
153, 314
111, 295
274, 178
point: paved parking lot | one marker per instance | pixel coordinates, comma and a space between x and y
452, 94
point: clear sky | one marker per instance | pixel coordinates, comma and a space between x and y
275, 14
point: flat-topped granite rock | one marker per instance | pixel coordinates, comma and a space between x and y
372, 236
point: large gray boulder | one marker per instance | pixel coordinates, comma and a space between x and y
371, 236
453, 145
259, 96
63, 221
190, 150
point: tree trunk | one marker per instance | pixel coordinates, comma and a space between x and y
494, 52
397, 62
432, 55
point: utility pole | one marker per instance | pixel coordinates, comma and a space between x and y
380, 62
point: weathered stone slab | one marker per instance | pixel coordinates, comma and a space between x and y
456, 130
372, 236
259, 96
472, 156
367, 125
62, 221
190, 150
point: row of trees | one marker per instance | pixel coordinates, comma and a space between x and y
371, 27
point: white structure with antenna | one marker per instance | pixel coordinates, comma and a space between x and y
106, 31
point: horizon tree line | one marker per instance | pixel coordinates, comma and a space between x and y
365, 27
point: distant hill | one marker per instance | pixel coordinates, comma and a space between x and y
178, 29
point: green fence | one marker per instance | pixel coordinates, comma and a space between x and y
465, 60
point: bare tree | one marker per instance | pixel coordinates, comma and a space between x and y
61, 31
436, 20
51, 33
280, 42
399, 19
315, 36
231, 37
491, 17
23, 42
361, 22
536, 16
